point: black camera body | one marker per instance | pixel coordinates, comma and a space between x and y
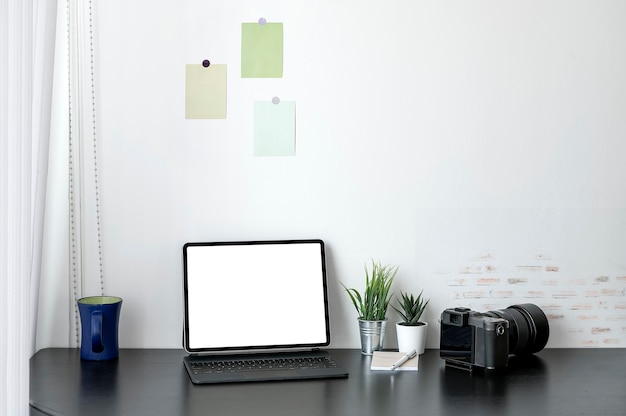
472, 339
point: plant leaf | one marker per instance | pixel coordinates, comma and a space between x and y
411, 308
374, 302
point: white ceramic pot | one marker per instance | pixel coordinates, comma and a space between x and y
410, 337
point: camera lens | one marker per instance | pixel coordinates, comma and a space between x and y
528, 328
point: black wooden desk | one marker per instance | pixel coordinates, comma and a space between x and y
153, 382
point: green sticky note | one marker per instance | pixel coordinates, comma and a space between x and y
274, 128
261, 50
205, 91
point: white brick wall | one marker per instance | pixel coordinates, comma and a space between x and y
580, 283
582, 311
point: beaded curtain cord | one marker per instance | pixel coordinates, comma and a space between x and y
82, 128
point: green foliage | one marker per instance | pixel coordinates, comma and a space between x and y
372, 306
411, 308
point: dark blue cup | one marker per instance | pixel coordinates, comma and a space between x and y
99, 318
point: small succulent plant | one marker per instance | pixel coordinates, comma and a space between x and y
411, 308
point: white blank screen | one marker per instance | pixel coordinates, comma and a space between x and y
255, 295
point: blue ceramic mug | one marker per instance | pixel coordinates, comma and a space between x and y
99, 318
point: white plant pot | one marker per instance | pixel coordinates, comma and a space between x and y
410, 337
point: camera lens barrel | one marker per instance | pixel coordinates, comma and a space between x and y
528, 328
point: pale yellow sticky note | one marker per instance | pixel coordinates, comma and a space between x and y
205, 91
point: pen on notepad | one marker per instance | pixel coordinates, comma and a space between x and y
404, 359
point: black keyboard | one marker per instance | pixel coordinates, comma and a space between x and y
264, 364
266, 367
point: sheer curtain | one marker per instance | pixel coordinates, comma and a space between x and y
27, 42
72, 247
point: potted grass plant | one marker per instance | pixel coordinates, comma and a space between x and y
411, 332
372, 305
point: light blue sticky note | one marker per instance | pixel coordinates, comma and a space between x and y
274, 128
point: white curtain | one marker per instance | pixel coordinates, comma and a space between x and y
72, 261
27, 41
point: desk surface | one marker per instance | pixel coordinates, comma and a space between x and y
154, 382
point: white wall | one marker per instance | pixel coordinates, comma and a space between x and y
478, 145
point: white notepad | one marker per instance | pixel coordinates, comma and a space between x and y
383, 360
